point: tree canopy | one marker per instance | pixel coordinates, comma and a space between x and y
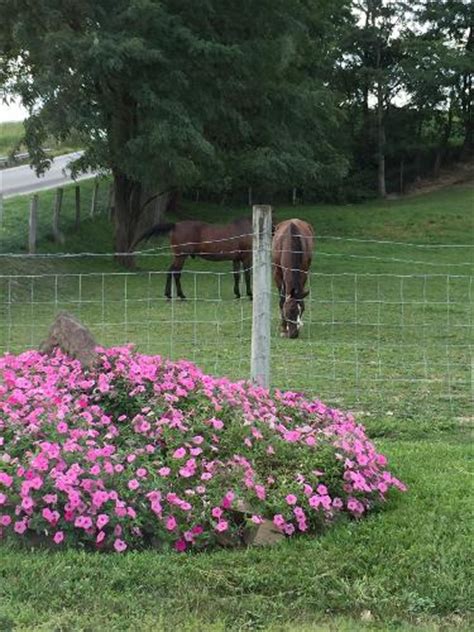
330, 96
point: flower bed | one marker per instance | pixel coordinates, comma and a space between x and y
140, 451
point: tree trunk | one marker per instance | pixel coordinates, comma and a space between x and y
419, 131
127, 216
466, 104
441, 150
380, 143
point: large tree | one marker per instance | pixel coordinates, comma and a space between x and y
167, 93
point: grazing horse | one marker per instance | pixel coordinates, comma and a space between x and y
214, 242
292, 251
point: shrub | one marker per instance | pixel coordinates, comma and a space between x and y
141, 450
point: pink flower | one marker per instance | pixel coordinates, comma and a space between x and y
180, 545
337, 503
164, 471
5, 479
289, 529
299, 513
222, 525
3, 498
260, 491
58, 537
256, 519
51, 499
20, 527
141, 472
5, 520
179, 453
322, 490
100, 537
102, 520
120, 545
291, 499
171, 523
27, 503
292, 436
228, 499
133, 484
278, 520
216, 512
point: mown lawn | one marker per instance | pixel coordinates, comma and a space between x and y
388, 334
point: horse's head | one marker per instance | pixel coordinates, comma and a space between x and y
292, 312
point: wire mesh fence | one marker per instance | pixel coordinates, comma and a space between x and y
373, 341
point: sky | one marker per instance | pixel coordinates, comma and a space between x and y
11, 112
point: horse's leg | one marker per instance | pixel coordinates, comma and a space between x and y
283, 323
177, 276
247, 264
174, 272
278, 276
236, 268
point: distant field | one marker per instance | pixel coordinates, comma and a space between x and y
388, 333
11, 134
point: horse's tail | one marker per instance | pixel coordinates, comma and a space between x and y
157, 229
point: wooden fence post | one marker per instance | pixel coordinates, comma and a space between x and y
77, 194
261, 308
57, 236
32, 224
95, 191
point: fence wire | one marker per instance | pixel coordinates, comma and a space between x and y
396, 343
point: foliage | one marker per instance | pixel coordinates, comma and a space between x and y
141, 449
170, 94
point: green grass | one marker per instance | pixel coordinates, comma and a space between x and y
381, 337
11, 134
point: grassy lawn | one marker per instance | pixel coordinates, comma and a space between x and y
388, 333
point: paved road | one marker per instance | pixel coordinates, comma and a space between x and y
22, 180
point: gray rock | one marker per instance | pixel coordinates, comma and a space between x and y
72, 337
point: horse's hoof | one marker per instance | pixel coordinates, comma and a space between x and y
250, 297
237, 296
182, 297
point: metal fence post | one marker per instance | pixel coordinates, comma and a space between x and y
261, 313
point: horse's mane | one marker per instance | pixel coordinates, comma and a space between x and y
296, 259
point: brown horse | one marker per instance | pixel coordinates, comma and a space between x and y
292, 250
214, 242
